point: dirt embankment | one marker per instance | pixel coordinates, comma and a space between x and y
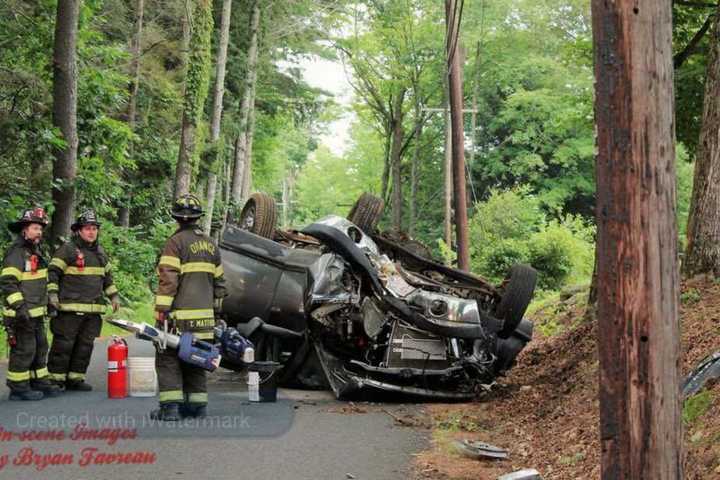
546, 411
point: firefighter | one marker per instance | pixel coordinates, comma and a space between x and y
23, 283
190, 292
79, 278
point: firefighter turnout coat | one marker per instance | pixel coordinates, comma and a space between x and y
23, 279
191, 282
23, 283
81, 275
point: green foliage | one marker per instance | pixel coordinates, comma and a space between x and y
690, 77
199, 62
448, 255
510, 227
134, 253
696, 406
529, 67
685, 172
690, 296
563, 252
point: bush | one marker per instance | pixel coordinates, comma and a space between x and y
510, 227
506, 214
502, 255
133, 254
558, 252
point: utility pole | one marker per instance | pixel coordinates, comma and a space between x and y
637, 278
452, 18
448, 194
448, 170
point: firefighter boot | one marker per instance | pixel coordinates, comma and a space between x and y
194, 411
25, 394
47, 387
168, 412
78, 385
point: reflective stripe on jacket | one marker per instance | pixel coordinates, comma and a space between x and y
190, 280
82, 276
24, 281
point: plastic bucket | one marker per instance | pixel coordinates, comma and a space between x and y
142, 376
268, 373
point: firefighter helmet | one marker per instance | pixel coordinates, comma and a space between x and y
187, 207
87, 217
31, 215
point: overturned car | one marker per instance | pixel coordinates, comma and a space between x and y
342, 307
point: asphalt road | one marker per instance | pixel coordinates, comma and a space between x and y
305, 435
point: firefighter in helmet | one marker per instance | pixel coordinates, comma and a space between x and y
23, 284
79, 280
190, 292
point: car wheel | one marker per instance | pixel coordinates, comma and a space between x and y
366, 212
519, 289
259, 215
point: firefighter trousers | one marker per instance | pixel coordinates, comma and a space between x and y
73, 340
27, 359
178, 381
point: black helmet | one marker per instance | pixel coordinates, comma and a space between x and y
32, 215
187, 207
88, 217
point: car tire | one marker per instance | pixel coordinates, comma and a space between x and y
366, 212
516, 298
259, 215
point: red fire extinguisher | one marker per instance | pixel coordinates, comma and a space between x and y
117, 355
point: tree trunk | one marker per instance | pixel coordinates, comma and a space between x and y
227, 187
65, 116
703, 233
458, 137
415, 171
123, 212
197, 79
246, 105
186, 27
215, 123
398, 135
591, 308
247, 177
638, 327
236, 191
183, 169
135, 65
471, 194
385, 179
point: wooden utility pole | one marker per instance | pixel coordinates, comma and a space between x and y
638, 328
448, 178
65, 115
448, 171
452, 19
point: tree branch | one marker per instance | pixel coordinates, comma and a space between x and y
683, 3
689, 49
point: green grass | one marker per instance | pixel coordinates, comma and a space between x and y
141, 312
458, 422
696, 406
690, 296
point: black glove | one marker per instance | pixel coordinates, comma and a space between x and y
218, 306
9, 325
10, 333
